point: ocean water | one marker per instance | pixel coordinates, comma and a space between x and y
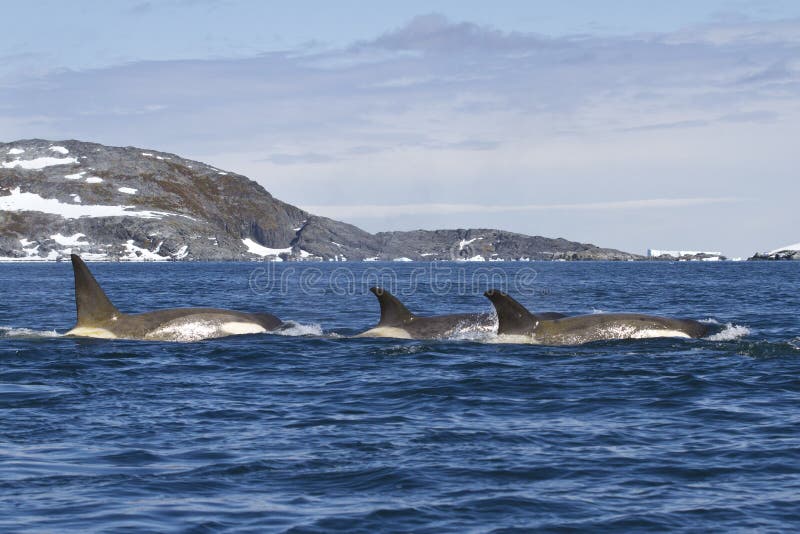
315, 431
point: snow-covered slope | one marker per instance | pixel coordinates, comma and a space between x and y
127, 203
794, 247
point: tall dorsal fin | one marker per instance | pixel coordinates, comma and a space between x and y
92, 303
512, 317
393, 312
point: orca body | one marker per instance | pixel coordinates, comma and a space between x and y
398, 322
99, 318
518, 324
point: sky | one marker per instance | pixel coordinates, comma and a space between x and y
627, 124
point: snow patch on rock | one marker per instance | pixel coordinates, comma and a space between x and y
18, 201
69, 241
796, 246
182, 252
134, 253
261, 250
38, 163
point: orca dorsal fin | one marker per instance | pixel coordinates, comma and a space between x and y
393, 312
512, 317
92, 303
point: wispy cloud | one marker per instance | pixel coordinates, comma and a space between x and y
381, 210
298, 159
439, 116
432, 83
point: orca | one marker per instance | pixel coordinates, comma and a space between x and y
99, 318
516, 323
398, 322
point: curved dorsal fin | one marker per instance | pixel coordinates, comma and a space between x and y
393, 312
92, 303
512, 317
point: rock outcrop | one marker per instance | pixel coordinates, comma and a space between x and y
126, 203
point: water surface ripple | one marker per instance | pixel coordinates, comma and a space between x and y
321, 433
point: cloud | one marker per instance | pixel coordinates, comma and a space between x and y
431, 83
450, 114
383, 210
298, 159
434, 33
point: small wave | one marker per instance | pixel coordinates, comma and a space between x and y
473, 332
6, 389
10, 331
795, 343
401, 350
470, 335
731, 332
292, 328
709, 320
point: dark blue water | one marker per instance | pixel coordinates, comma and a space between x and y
320, 433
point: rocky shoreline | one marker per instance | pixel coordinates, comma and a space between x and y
130, 204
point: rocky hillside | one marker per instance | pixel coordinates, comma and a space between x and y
114, 203
489, 245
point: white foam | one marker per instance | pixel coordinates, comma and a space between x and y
59, 149
38, 163
16, 151
261, 250
76, 198
469, 331
292, 328
18, 201
402, 259
147, 154
731, 332
69, 241
76, 176
10, 331
94, 180
201, 328
127, 190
